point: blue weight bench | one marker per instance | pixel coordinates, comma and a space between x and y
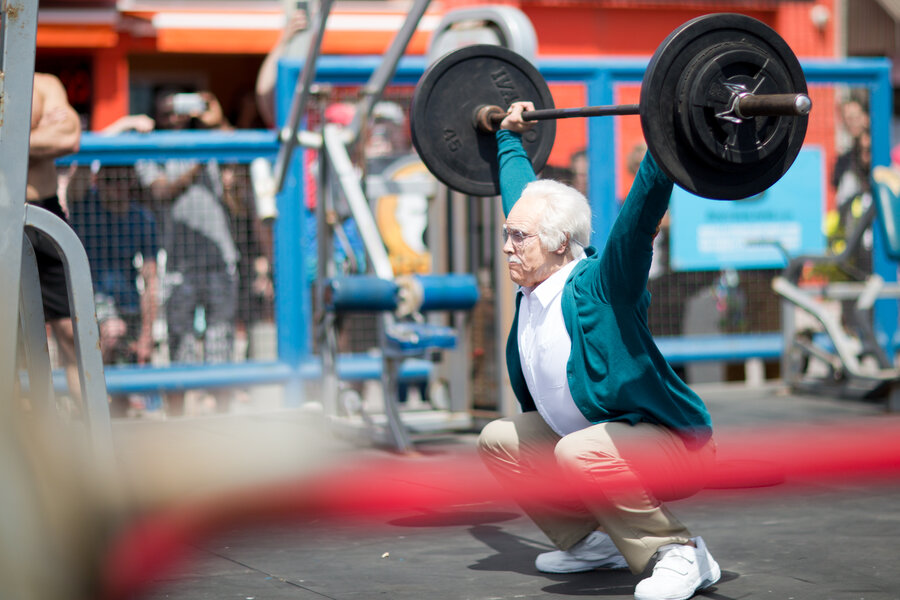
413, 339
403, 333
851, 361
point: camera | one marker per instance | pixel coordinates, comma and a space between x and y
188, 104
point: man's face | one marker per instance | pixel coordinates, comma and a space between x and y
529, 264
855, 118
114, 187
580, 173
166, 117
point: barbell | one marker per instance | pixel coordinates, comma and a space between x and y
723, 109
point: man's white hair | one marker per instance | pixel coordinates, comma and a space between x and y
566, 215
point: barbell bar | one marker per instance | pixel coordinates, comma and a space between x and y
724, 109
745, 106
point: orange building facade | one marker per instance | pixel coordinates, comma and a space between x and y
106, 50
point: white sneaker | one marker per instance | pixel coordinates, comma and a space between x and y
680, 571
596, 551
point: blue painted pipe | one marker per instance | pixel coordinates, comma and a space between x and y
145, 379
448, 292
367, 293
363, 293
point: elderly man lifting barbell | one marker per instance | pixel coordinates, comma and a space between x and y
601, 406
724, 112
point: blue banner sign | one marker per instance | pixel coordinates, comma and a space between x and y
745, 234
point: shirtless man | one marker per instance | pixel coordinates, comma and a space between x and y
55, 132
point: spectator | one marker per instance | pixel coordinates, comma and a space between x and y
855, 182
201, 256
119, 236
852, 198
855, 122
55, 132
578, 163
850, 180
294, 42
387, 137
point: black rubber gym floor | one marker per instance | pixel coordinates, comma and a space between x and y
818, 540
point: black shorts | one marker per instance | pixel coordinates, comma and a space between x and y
51, 271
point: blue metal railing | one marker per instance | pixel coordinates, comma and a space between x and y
296, 362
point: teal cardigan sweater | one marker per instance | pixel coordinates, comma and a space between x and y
615, 370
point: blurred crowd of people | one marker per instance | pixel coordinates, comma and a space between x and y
174, 242
181, 263
179, 254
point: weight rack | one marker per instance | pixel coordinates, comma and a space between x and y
22, 327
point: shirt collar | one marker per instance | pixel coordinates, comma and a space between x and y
548, 289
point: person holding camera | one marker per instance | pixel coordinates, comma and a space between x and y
202, 257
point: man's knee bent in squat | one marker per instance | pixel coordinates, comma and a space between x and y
591, 446
497, 439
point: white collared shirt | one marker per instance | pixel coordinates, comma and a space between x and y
544, 348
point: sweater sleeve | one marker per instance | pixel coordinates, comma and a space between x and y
515, 168
625, 263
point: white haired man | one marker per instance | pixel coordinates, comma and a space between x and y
601, 407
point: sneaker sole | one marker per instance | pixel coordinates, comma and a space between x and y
713, 577
582, 569
707, 582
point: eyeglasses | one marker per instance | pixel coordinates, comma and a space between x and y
518, 237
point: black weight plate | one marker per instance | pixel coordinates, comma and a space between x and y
443, 108
705, 95
686, 81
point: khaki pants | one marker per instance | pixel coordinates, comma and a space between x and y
614, 456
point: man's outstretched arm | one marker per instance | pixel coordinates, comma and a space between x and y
516, 170
629, 248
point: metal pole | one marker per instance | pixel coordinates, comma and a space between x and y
374, 89
301, 95
18, 29
84, 324
349, 183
